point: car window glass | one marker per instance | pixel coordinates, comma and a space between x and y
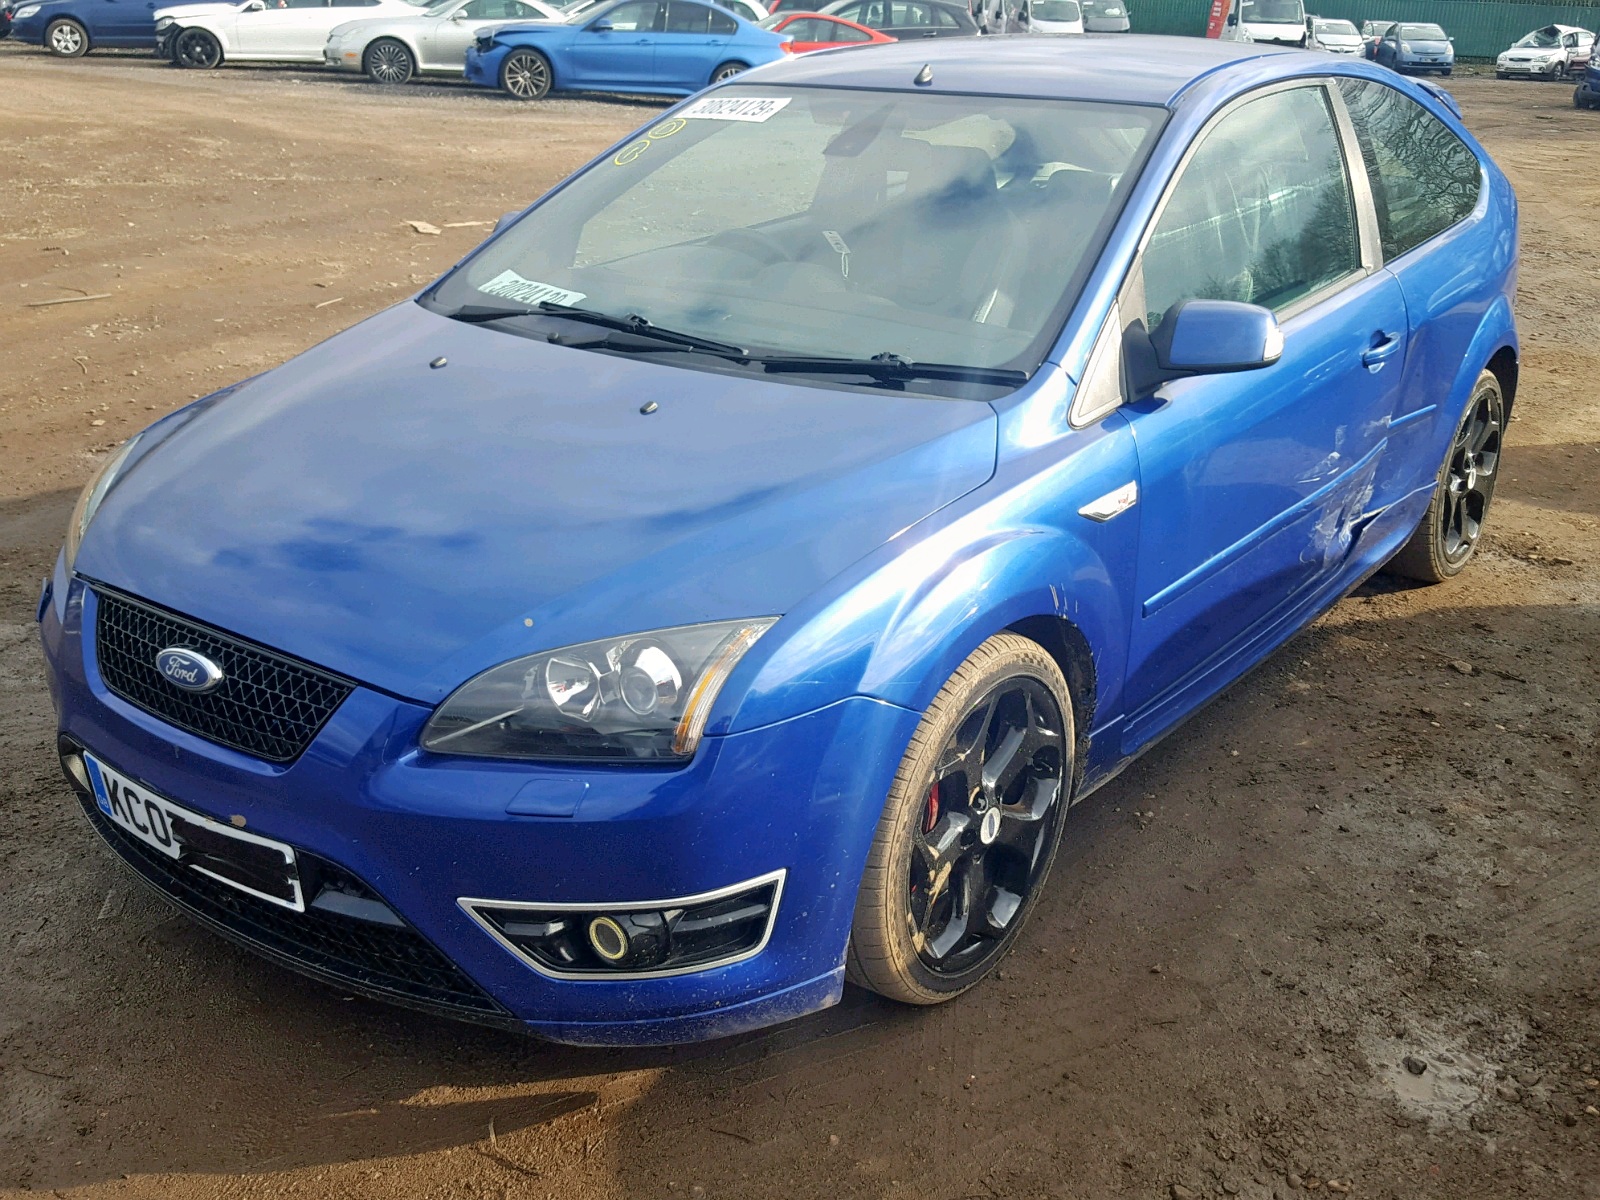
272, 4
1262, 212
941, 18
805, 29
855, 12
832, 31
684, 17
903, 13
1424, 178
1421, 33
631, 18
723, 23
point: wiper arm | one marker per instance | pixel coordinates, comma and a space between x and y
891, 368
640, 326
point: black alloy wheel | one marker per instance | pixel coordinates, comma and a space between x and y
970, 829
990, 810
389, 62
525, 74
1453, 524
197, 49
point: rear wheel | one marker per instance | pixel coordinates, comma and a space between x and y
970, 829
389, 61
525, 74
66, 39
197, 49
1444, 542
727, 71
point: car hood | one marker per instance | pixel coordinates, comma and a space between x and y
1428, 47
1339, 39
409, 527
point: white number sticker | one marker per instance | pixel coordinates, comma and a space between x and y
527, 291
736, 108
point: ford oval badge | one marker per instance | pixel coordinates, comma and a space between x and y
188, 669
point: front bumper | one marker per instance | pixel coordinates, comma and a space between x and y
483, 67
422, 831
1545, 70
338, 57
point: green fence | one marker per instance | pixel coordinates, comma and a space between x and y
1481, 29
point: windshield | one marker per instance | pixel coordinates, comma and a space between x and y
1421, 33
1542, 39
1056, 10
827, 222
1337, 28
1272, 12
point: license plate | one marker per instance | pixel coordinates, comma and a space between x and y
256, 865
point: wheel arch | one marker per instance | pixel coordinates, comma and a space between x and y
204, 26
76, 18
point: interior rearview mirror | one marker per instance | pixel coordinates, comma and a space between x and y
1209, 337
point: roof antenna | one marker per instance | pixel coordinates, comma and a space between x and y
925, 76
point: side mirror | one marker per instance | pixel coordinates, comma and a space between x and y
504, 221
601, 26
1210, 337
1233, 18
255, 6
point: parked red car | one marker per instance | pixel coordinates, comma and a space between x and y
817, 31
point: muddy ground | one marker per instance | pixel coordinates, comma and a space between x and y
1384, 843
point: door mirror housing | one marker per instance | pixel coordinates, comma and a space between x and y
255, 6
601, 26
1208, 337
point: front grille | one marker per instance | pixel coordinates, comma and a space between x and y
390, 961
267, 705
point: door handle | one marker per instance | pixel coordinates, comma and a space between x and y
1375, 355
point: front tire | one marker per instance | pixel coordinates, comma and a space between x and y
525, 74
66, 39
389, 62
728, 70
197, 49
1444, 542
970, 828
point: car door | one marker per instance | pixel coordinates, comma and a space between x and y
276, 29
1254, 486
125, 22
445, 40
1426, 183
618, 46
692, 44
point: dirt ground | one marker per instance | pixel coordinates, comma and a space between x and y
1382, 844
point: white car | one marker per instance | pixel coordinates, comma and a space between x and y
393, 49
207, 35
1052, 16
1334, 36
1547, 53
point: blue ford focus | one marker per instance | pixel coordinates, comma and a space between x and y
721, 584
649, 47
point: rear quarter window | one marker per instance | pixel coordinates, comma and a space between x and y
1424, 178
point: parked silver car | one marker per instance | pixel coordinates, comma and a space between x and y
393, 49
1334, 36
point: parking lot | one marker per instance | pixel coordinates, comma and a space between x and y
1383, 847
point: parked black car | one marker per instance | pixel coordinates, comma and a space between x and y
908, 20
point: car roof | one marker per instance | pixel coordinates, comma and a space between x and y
1110, 67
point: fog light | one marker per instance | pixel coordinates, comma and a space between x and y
72, 765
669, 937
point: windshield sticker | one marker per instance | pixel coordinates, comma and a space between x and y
512, 286
736, 108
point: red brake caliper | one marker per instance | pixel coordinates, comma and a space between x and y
932, 817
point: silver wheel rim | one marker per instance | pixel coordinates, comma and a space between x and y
66, 39
527, 77
389, 63
727, 73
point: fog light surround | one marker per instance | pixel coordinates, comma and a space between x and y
649, 939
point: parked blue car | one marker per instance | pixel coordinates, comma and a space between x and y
721, 583
71, 28
645, 47
1587, 93
1416, 49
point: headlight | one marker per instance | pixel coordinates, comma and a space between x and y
1405, 47
27, 10
94, 492
163, 24
643, 696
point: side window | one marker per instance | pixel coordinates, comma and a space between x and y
806, 29
634, 18
683, 17
832, 31
723, 24
1424, 178
854, 12
1262, 212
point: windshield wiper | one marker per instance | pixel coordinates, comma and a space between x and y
891, 368
652, 336
641, 327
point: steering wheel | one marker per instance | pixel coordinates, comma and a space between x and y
753, 243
